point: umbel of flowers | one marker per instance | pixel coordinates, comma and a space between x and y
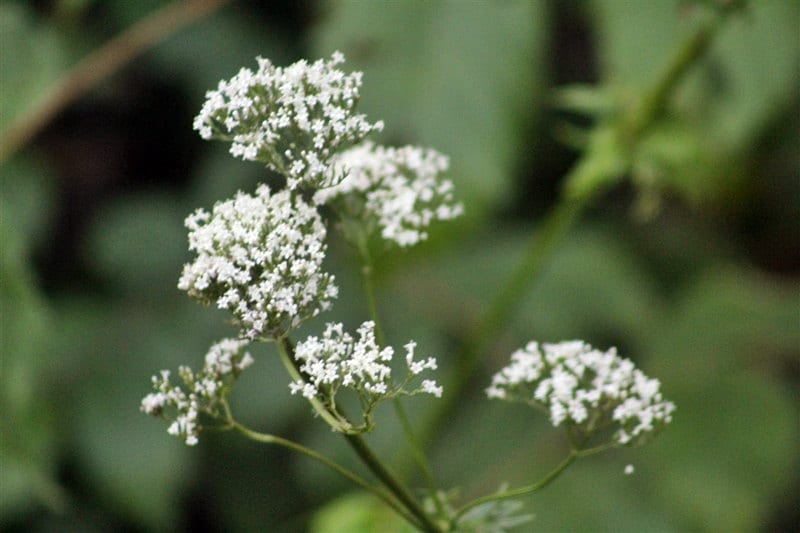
260, 256
585, 389
292, 119
201, 391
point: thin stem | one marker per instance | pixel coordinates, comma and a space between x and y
416, 449
367, 271
505, 304
289, 362
361, 448
419, 456
561, 219
656, 99
101, 64
390, 500
521, 491
372, 462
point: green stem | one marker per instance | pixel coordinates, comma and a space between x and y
367, 271
372, 462
419, 456
289, 362
561, 219
522, 491
356, 441
416, 449
505, 304
656, 99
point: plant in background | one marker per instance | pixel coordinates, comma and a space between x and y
260, 257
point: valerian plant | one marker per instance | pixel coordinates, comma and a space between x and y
260, 256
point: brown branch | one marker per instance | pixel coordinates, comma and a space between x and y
101, 64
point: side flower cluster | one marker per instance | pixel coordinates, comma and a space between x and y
260, 257
292, 119
396, 190
337, 360
203, 391
586, 389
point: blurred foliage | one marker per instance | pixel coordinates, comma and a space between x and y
703, 292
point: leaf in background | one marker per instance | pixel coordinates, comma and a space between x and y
358, 513
749, 76
32, 58
462, 77
27, 424
757, 57
108, 352
592, 285
729, 452
139, 243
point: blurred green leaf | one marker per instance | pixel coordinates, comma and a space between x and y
139, 243
750, 75
33, 58
733, 440
27, 425
358, 513
462, 77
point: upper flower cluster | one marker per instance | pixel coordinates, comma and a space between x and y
337, 360
260, 257
585, 388
224, 362
395, 189
293, 119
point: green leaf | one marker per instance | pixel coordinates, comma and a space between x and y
358, 513
139, 243
731, 448
33, 57
461, 77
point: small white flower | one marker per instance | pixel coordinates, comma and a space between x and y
292, 119
629, 469
585, 388
397, 190
260, 257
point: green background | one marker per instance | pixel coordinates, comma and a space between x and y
691, 267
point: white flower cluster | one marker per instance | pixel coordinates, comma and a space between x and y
223, 364
338, 360
586, 388
260, 257
396, 189
292, 119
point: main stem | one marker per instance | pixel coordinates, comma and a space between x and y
372, 462
359, 445
416, 449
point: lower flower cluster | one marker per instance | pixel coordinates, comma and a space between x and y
204, 390
586, 389
337, 360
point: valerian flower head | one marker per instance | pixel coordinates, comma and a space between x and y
260, 257
203, 391
396, 190
337, 360
586, 389
292, 119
